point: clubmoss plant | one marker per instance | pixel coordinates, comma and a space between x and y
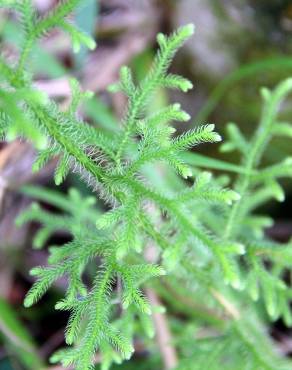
210, 244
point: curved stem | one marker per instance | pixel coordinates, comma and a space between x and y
239, 74
258, 144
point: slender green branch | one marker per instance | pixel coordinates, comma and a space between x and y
258, 144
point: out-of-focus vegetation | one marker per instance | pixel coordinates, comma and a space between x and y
239, 46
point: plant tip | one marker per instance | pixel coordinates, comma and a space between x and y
190, 29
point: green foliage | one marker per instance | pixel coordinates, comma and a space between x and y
17, 338
244, 345
208, 238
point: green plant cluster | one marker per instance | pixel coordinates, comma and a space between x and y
210, 244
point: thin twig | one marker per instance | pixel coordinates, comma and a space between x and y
163, 334
229, 307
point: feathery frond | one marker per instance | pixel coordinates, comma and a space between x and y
207, 237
